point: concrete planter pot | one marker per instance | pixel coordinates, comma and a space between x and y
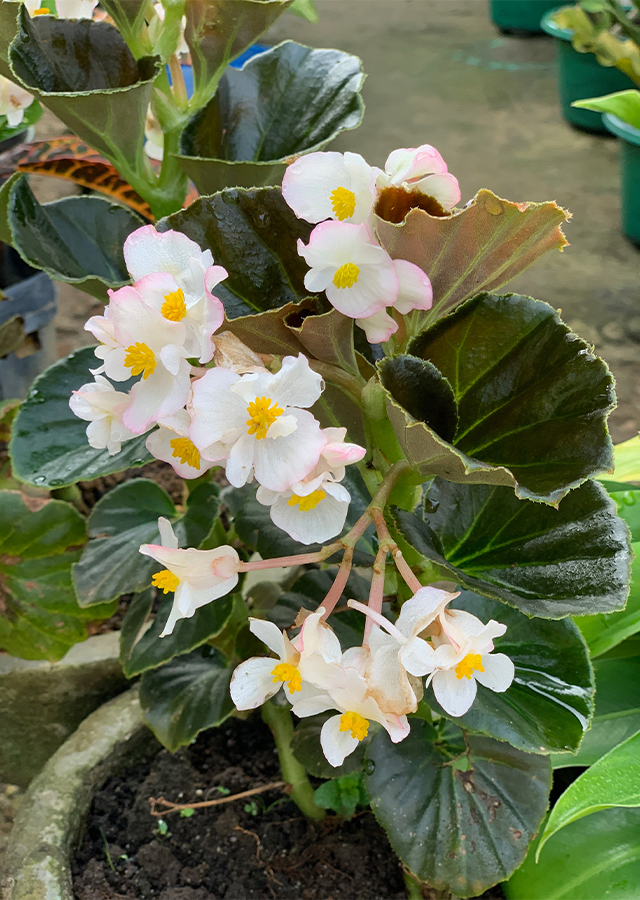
629, 174
580, 76
520, 16
52, 813
42, 703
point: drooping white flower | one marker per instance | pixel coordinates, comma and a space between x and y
358, 276
258, 416
330, 185
421, 169
314, 509
396, 651
196, 577
341, 734
138, 340
305, 666
75, 9
102, 406
186, 293
13, 101
171, 443
464, 656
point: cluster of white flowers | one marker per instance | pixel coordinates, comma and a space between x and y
255, 423
13, 102
339, 191
382, 680
66, 9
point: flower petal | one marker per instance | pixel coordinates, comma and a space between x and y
455, 695
336, 745
498, 672
252, 683
269, 634
415, 288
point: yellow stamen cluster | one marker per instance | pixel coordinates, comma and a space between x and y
166, 581
140, 359
343, 203
308, 502
174, 307
186, 451
355, 723
43, 11
287, 674
465, 668
346, 276
262, 415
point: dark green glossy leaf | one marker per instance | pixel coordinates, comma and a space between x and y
460, 820
140, 651
282, 103
423, 392
218, 31
31, 529
76, 239
305, 744
589, 860
185, 696
607, 630
549, 705
39, 615
532, 400
546, 562
86, 75
124, 519
253, 234
49, 446
617, 714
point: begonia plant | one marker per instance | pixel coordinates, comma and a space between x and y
348, 402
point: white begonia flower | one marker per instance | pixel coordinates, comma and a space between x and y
197, 577
258, 418
13, 101
190, 300
314, 509
359, 277
102, 406
74, 9
421, 169
464, 656
415, 292
330, 185
139, 340
341, 734
305, 666
172, 444
398, 656
154, 144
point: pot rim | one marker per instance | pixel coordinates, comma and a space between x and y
621, 129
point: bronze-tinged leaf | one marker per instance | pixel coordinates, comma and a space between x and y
478, 248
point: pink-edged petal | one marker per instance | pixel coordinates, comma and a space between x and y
444, 188
147, 250
397, 727
336, 745
420, 610
379, 327
415, 288
252, 683
308, 183
455, 695
498, 672
409, 163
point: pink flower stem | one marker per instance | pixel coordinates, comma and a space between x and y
387, 542
376, 593
339, 583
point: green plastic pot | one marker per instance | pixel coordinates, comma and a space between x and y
629, 174
580, 76
520, 15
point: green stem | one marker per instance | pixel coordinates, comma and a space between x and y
279, 720
414, 888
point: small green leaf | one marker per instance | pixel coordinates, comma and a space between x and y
31, 529
284, 102
253, 234
550, 703
607, 630
617, 713
596, 858
461, 831
186, 696
49, 446
612, 781
120, 522
532, 400
623, 104
342, 795
545, 562
306, 10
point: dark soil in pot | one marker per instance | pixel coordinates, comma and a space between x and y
235, 851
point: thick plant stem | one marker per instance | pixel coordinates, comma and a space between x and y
279, 720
